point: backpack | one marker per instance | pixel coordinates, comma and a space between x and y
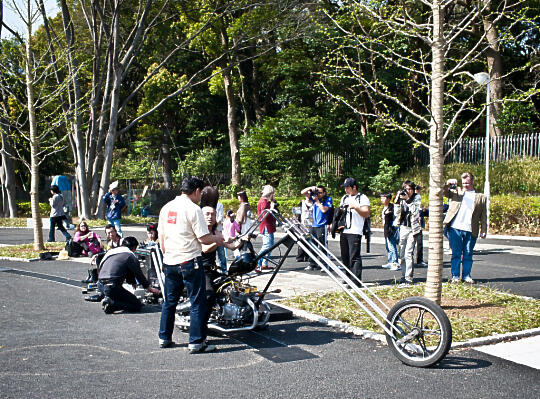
339, 220
73, 248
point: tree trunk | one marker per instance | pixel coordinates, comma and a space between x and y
80, 169
108, 156
246, 73
495, 69
112, 132
8, 178
435, 260
34, 145
166, 160
231, 118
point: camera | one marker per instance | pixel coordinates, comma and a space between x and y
452, 186
403, 193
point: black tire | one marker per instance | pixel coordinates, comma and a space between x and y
424, 328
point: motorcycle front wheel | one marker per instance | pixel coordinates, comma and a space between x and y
422, 332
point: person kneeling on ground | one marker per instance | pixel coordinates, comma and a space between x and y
119, 265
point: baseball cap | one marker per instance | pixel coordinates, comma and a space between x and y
349, 182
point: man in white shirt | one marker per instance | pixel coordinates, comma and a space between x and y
182, 230
358, 209
466, 216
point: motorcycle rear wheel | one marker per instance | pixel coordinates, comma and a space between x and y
422, 332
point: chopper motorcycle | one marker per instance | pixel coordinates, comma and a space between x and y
417, 330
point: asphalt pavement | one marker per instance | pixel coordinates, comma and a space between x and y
54, 344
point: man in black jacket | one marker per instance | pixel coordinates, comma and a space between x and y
118, 265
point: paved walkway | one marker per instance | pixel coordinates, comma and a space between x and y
525, 351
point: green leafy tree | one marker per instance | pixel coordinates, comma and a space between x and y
284, 144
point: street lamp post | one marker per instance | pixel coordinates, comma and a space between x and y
483, 78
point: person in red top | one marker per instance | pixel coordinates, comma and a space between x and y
268, 226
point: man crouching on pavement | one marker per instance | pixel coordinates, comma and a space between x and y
120, 264
182, 230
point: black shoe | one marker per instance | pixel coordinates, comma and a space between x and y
166, 343
107, 305
201, 348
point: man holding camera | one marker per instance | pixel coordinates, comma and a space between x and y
321, 205
407, 215
182, 231
466, 217
358, 210
118, 265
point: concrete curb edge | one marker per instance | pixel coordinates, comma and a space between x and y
18, 259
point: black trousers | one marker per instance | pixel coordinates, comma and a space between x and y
350, 253
320, 234
301, 256
122, 299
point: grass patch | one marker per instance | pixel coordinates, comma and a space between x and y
26, 251
474, 311
12, 222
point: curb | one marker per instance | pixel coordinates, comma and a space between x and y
367, 334
18, 259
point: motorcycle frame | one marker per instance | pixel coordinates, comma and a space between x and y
297, 233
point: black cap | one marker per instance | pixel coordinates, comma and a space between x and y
349, 182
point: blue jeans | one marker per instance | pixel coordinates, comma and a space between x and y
268, 241
116, 224
391, 246
58, 222
462, 245
122, 298
222, 258
191, 274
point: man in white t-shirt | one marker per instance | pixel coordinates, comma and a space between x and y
466, 217
182, 230
358, 209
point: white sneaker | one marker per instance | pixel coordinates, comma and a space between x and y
422, 264
455, 279
468, 279
387, 266
395, 266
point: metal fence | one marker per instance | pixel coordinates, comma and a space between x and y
472, 150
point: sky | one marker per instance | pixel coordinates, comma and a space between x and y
13, 20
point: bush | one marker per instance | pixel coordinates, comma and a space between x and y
24, 209
386, 179
515, 215
519, 176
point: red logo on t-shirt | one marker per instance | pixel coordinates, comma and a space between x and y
171, 217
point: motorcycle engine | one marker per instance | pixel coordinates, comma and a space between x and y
236, 311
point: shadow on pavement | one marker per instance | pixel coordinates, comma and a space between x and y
306, 333
461, 363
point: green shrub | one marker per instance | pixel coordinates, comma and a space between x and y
517, 176
510, 214
24, 209
386, 179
